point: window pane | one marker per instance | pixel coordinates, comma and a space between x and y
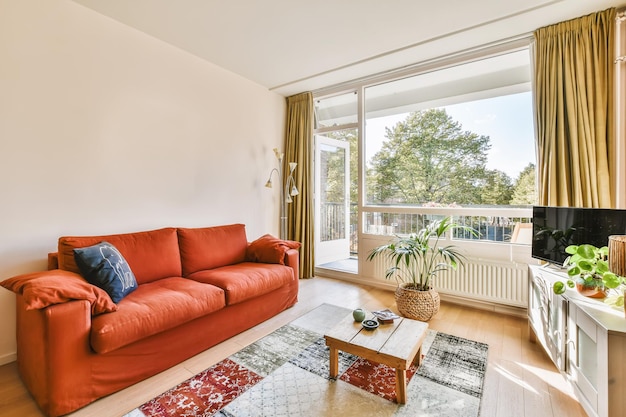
333, 193
336, 111
456, 137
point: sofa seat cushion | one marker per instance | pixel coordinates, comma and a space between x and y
246, 280
153, 308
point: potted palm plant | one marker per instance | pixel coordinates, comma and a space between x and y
415, 260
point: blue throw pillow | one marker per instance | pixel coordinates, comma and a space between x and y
104, 266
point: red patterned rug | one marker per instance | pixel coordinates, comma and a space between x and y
286, 373
211, 390
374, 377
204, 394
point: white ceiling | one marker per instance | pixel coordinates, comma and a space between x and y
290, 46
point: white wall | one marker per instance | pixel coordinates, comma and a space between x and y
104, 129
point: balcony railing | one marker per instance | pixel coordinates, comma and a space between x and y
333, 226
497, 228
493, 224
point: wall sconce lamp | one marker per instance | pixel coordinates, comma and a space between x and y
287, 191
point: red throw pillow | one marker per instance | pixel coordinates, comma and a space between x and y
269, 249
42, 289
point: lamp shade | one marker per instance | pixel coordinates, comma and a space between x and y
617, 255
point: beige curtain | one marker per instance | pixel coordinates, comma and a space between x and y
574, 91
299, 148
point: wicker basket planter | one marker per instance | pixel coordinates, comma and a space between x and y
415, 260
416, 304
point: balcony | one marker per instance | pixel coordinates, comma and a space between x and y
493, 224
495, 271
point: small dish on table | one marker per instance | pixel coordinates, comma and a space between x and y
369, 324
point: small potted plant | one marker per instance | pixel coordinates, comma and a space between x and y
414, 261
588, 270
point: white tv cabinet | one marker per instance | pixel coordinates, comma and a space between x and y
585, 338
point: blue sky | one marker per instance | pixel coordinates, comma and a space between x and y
508, 121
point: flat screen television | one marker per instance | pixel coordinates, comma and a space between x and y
555, 228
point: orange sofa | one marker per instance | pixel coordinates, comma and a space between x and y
195, 288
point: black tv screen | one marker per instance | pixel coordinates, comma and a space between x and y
555, 228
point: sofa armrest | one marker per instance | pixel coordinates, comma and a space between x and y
45, 288
292, 259
53, 354
53, 261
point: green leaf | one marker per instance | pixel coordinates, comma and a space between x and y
571, 249
602, 266
573, 271
586, 251
585, 265
603, 251
611, 280
558, 287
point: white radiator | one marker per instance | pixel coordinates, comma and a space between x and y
495, 282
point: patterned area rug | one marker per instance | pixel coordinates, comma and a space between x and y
466, 358
286, 374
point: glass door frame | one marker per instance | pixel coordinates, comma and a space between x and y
325, 249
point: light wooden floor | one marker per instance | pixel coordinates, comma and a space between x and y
521, 381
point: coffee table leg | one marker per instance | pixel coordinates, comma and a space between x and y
334, 362
418, 358
401, 386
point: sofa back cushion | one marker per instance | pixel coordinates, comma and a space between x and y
211, 247
151, 255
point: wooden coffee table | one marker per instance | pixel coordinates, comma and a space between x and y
397, 345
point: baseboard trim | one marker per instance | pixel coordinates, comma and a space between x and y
485, 305
8, 358
350, 277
